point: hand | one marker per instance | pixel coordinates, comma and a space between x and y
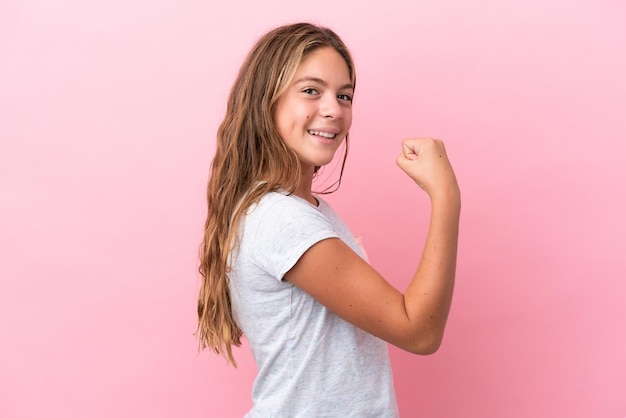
426, 162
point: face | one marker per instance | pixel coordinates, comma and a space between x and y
314, 114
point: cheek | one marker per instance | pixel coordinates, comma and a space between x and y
282, 121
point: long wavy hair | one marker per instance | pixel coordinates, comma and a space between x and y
251, 160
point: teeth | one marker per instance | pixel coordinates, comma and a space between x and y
323, 134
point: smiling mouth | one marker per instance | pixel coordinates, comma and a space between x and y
326, 135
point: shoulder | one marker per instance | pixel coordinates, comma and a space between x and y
279, 229
279, 205
281, 215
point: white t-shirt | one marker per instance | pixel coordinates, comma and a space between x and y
311, 362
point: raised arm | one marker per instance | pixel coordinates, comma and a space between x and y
339, 279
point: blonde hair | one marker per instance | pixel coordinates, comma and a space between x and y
251, 160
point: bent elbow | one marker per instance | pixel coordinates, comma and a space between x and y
425, 346
427, 350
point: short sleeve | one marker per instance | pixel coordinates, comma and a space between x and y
286, 229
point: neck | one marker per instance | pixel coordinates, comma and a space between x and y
304, 187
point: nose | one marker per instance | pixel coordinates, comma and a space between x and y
330, 107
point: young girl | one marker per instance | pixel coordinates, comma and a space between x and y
278, 264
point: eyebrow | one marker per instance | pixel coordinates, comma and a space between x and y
322, 82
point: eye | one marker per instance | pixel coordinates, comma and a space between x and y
310, 91
345, 97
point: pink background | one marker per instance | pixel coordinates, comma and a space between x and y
108, 111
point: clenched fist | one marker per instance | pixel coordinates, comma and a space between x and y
425, 160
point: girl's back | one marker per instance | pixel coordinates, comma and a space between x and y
311, 362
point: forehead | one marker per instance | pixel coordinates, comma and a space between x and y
325, 63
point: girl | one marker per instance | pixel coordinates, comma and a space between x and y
278, 264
